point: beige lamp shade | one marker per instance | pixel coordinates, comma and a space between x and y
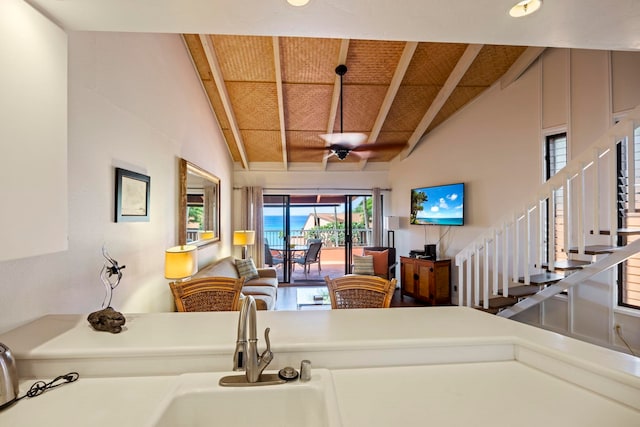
180, 262
244, 237
392, 222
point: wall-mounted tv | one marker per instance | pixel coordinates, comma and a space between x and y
438, 205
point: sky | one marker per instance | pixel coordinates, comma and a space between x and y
444, 202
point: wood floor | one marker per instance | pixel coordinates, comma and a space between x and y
314, 279
287, 299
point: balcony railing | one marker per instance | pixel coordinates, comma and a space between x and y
330, 238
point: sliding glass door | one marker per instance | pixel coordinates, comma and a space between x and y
277, 225
342, 223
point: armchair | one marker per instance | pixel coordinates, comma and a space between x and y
382, 268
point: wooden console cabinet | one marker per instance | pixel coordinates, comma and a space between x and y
426, 280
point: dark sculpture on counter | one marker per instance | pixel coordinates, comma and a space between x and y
108, 319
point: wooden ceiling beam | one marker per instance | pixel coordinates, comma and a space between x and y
520, 65
278, 69
342, 59
392, 91
212, 59
447, 89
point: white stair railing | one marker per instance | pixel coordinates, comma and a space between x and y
574, 279
512, 250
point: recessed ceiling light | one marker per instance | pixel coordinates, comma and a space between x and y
525, 7
297, 2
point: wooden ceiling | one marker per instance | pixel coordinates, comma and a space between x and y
274, 96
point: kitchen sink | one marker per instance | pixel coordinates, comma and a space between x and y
198, 400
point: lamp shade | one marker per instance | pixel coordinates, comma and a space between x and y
392, 222
244, 237
206, 235
180, 262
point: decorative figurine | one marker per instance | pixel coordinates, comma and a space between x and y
108, 319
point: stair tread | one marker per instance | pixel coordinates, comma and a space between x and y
595, 249
499, 302
488, 310
568, 264
623, 232
521, 291
543, 278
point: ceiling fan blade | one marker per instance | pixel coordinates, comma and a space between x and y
314, 147
329, 155
379, 146
350, 138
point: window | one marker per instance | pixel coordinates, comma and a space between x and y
555, 158
629, 217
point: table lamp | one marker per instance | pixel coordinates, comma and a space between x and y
206, 235
244, 238
180, 262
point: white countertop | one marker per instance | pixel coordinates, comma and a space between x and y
158, 346
201, 336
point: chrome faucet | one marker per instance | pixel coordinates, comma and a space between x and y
246, 356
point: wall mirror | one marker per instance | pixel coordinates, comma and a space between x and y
199, 211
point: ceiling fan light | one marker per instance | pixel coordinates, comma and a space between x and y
525, 8
350, 138
297, 3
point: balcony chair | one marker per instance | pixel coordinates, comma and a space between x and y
311, 256
208, 294
358, 291
270, 258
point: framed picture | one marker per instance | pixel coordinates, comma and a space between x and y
132, 196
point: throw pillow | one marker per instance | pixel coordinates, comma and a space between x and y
247, 268
380, 261
363, 265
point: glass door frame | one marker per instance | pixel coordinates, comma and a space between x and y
346, 227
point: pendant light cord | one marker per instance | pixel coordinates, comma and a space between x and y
341, 116
341, 70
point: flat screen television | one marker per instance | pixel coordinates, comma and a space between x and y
438, 205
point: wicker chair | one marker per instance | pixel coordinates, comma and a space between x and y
207, 294
356, 291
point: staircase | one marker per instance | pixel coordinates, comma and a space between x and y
512, 266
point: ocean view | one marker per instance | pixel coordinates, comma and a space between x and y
274, 222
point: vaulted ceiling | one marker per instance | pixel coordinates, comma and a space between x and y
274, 96
268, 68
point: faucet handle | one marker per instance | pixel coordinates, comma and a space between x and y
266, 339
267, 356
268, 342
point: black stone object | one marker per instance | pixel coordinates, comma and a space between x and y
107, 320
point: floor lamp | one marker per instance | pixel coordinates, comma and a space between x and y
391, 223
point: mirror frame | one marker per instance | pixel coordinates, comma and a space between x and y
186, 167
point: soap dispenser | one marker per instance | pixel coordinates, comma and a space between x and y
8, 377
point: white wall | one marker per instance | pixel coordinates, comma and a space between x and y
494, 146
125, 110
33, 132
313, 179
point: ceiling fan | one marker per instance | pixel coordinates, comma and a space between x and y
341, 144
